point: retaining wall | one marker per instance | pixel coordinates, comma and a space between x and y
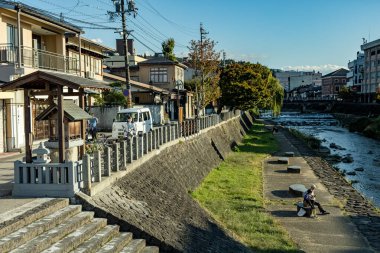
153, 201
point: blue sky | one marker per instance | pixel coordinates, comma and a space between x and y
288, 34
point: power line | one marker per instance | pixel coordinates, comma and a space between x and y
186, 30
142, 43
145, 39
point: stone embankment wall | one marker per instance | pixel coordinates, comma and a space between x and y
154, 200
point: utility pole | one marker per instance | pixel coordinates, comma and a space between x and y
126, 60
203, 34
120, 9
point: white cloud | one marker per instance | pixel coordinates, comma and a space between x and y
97, 40
246, 57
326, 68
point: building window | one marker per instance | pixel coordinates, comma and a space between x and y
337, 88
159, 75
336, 80
12, 35
373, 52
343, 80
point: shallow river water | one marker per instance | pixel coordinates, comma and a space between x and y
364, 151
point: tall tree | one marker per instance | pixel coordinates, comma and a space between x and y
248, 86
168, 49
205, 60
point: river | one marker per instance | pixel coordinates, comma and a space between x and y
364, 171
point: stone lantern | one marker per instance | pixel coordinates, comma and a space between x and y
42, 154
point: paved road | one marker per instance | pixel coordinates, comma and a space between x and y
326, 233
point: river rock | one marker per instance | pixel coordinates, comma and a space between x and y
351, 173
334, 158
359, 169
324, 150
335, 146
347, 159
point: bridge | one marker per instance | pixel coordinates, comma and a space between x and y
310, 105
332, 106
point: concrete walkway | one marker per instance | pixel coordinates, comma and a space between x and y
7, 202
326, 233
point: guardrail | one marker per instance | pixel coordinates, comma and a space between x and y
64, 180
36, 58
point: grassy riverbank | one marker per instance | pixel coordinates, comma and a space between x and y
233, 194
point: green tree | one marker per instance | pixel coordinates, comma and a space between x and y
168, 49
205, 60
112, 97
248, 86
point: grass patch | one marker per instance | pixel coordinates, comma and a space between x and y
233, 195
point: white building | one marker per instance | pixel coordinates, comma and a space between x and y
292, 79
356, 75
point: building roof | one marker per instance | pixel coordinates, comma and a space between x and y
337, 73
161, 61
37, 79
71, 111
135, 83
370, 44
39, 13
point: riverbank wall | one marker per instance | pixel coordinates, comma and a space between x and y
154, 201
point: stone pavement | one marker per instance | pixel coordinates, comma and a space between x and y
8, 203
327, 233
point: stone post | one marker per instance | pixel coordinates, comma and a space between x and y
150, 141
107, 161
141, 146
160, 137
130, 150
154, 139
169, 128
164, 135
116, 157
145, 143
135, 147
87, 173
97, 166
123, 147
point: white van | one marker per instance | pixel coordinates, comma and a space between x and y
141, 122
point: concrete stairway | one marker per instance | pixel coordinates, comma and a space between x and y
52, 225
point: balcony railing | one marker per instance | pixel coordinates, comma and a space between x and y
40, 59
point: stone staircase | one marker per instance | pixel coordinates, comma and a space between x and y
52, 225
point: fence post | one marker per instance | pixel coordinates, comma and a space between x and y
71, 173
135, 147
158, 131
123, 145
97, 166
145, 143
87, 174
116, 157
141, 146
150, 141
164, 134
154, 139
107, 162
17, 171
130, 150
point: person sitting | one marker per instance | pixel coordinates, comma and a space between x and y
310, 200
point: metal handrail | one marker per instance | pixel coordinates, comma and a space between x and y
37, 58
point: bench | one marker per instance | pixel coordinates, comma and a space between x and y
289, 154
294, 169
283, 160
297, 190
308, 209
